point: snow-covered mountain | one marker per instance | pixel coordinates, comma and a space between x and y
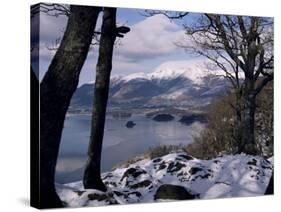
176, 176
168, 85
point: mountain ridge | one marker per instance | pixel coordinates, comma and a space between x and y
165, 86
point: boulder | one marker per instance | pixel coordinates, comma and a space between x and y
98, 197
133, 172
107, 197
175, 166
142, 184
194, 170
173, 192
163, 117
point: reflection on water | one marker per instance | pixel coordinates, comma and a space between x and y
120, 143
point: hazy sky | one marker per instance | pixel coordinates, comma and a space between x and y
150, 43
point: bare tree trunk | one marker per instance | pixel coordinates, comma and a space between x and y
56, 90
237, 121
34, 139
92, 177
270, 188
248, 119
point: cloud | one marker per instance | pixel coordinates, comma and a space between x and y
153, 37
149, 40
124, 67
51, 28
194, 63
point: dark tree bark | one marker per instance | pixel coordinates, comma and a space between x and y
34, 139
270, 188
248, 119
92, 178
56, 90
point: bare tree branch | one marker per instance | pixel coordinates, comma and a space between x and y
168, 14
55, 9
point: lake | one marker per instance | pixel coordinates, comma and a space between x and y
120, 143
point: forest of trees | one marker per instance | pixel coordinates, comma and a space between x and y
220, 135
235, 44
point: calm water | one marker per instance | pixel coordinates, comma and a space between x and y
120, 143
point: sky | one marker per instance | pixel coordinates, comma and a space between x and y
150, 43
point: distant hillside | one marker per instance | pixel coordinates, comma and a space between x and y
166, 86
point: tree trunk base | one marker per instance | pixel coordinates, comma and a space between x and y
50, 199
270, 187
250, 149
92, 179
95, 184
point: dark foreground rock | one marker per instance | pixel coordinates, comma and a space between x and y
106, 197
130, 124
173, 192
189, 119
133, 172
163, 117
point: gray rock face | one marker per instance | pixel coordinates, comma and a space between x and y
173, 192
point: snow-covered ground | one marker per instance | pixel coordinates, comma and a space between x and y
161, 178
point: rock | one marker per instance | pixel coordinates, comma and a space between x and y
162, 166
110, 184
127, 194
252, 162
157, 160
118, 193
135, 178
174, 167
194, 170
136, 193
130, 124
103, 197
79, 192
109, 175
142, 184
98, 197
203, 173
173, 192
189, 119
186, 157
133, 172
163, 117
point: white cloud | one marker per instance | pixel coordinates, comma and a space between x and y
153, 37
51, 28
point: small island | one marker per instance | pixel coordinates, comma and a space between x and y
163, 117
130, 124
189, 119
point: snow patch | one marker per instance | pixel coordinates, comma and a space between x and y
226, 176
